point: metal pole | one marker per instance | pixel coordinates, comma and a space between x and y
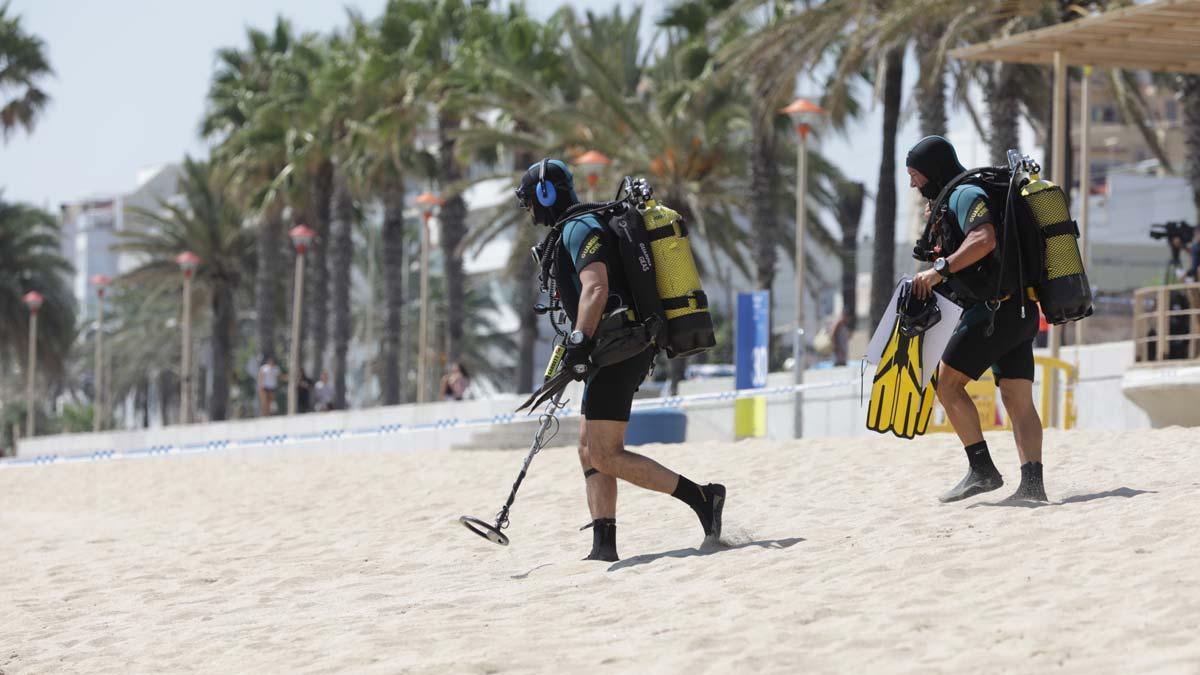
1058, 171
185, 383
423, 322
98, 378
31, 376
1085, 181
801, 218
294, 352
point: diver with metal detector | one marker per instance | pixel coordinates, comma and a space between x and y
1001, 241
598, 265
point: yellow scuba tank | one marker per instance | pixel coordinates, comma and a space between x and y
689, 323
1064, 292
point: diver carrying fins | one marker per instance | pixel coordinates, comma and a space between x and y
1001, 241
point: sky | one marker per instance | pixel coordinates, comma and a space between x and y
131, 76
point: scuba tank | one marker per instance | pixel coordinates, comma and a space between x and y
1063, 292
684, 303
663, 266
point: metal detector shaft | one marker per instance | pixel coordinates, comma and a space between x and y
548, 420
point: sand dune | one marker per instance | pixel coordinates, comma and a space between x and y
840, 559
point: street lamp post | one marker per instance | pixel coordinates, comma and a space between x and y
802, 112
33, 300
592, 161
101, 282
302, 237
429, 202
188, 262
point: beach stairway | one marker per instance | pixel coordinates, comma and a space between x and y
519, 436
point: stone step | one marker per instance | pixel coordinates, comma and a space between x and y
519, 435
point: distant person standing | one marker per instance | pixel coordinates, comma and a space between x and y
454, 383
304, 393
268, 383
323, 393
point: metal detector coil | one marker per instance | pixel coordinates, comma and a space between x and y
493, 532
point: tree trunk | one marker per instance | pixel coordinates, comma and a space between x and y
764, 187
224, 316
849, 214
166, 385
525, 292
1004, 112
342, 259
931, 100
267, 278
453, 227
393, 285
764, 214
1191, 126
317, 307
884, 263
142, 400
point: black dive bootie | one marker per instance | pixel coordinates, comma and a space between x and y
604, 540
1032, 488
982, 476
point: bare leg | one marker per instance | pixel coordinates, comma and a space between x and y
601, 488
1027, 425
607, 453
982, 475
1027, 430
960, 409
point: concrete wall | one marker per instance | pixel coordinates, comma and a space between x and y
837, 411
834, 410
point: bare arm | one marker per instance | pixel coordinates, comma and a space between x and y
980, 241
593, 295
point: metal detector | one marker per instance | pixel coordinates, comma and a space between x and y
493, 532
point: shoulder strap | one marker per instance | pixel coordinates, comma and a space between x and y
944, 195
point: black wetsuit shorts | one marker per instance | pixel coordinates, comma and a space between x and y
1008, 350
608, 394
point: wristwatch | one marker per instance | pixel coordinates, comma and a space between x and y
576, 338
942, 267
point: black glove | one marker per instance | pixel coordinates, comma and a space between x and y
578, 360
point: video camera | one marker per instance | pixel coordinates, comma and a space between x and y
1171, 229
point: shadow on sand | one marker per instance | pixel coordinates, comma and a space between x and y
1077, 499
694, 552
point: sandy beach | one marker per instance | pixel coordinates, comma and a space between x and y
839, 559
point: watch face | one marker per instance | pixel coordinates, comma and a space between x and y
576, 338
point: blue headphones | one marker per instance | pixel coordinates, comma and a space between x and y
546, 194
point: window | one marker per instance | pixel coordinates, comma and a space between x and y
1171, 111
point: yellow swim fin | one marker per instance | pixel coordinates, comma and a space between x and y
899, 403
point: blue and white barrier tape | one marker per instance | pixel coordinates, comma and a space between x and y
502, 419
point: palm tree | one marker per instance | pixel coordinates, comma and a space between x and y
849, 213
243, 115
209, 223
525, 54
439, 29
883, 270
389, 90
23, 65
30, 251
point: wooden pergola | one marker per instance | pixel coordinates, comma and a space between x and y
1160, 36
1163, 36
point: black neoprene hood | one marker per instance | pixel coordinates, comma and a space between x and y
936, 159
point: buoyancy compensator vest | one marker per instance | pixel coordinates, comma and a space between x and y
657, 268
1036, 252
